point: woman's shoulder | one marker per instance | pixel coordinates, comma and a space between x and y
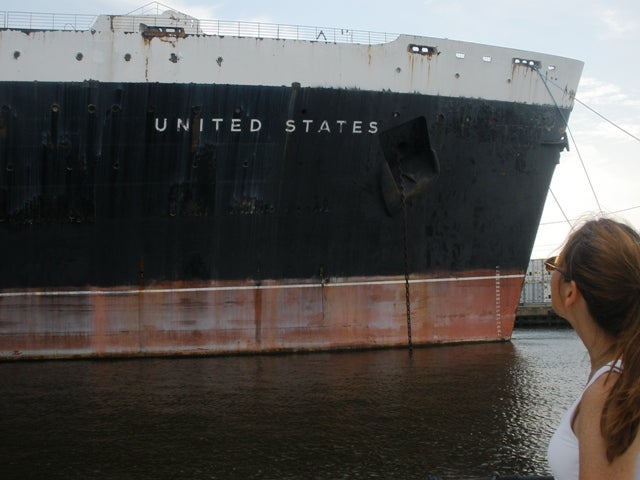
587, 420
599, 387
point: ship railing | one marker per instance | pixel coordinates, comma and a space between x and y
46, 21
132, 23
294, 32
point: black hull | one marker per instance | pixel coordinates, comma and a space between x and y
108, 184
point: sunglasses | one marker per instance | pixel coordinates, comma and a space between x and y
550, 266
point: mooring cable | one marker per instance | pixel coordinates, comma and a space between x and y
566, 124
606, 119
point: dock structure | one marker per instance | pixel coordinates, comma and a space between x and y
534, 308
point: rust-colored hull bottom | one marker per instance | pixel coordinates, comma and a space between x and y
222, 318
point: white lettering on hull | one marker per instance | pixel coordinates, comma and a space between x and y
254, 125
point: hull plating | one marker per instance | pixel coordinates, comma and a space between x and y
99, 194
245, 318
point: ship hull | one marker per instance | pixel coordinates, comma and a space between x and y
224, 318
162, 217
133, 233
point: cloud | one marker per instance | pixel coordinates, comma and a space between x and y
592, 90
596, 92
617, 24
604, 112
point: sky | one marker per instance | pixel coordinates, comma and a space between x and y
601, 172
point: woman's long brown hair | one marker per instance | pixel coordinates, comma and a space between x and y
603, 258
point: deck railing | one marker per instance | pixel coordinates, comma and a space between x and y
46, 21
131, 23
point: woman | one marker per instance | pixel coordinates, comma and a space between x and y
595, 286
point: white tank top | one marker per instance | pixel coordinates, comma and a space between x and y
563, 448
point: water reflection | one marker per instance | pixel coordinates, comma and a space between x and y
455, 411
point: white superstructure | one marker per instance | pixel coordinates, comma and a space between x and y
174, 48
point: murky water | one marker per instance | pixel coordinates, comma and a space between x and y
454, 411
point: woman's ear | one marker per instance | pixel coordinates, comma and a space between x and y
570, 293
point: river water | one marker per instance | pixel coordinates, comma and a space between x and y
456, 412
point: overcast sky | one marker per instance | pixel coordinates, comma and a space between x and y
603, 34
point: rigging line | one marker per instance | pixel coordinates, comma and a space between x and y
592, 110
575, 145
546, 85
613, 212
560, 207
607, 120
625, 209
566, 123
